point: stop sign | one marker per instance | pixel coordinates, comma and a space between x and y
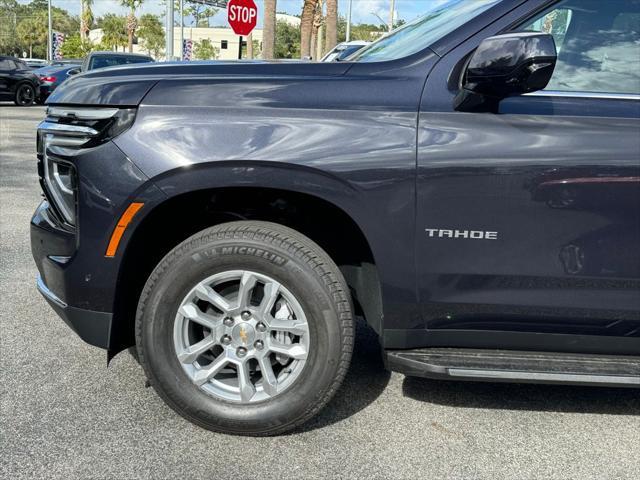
242, 16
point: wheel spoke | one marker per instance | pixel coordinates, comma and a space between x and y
271, 292
204, 375
247, 282
269, 381
274, 336
295, 351
295, 327
247, 390
194, 314
208, 294
190, 354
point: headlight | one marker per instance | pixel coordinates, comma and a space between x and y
60, 179
67, 129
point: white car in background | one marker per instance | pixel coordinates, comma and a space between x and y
343, 50
35, 62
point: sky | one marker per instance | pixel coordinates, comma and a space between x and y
362, 10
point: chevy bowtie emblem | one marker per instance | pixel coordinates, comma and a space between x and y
243, 334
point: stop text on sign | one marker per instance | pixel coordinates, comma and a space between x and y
242, 16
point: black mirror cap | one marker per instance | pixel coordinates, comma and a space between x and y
74, 71
504, 66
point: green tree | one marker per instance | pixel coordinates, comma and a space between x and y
200, 13
204, 50
287, 40
152, 34
75, 47
132, 21
10, 13
31, 31
114, 31
362, 31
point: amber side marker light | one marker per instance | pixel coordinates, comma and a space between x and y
124, 221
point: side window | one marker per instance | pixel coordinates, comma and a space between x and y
598, 45
6, 65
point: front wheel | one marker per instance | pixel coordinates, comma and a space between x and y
25, 95
246, 328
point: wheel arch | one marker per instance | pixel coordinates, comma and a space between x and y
188, 211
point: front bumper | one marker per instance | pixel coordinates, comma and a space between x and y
76, 277
92, 327
53, 248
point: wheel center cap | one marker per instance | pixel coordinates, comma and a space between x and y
243, 334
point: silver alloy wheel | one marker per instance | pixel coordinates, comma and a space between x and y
241, 336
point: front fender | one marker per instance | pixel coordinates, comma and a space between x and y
361, 160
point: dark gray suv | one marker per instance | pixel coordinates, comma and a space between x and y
469, 185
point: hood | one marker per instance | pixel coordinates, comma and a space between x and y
127, 85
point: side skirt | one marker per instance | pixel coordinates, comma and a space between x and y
516, 366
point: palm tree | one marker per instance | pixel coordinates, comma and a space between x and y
132, 21
269, 29
306, 26
32, 31
113, 30
332, 25
86, 19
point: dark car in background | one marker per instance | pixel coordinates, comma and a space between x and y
110, 59
18, 82
51, 77
469, 185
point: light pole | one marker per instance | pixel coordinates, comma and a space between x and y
169, 28
349, 21
181, 29
391, 14
49, 37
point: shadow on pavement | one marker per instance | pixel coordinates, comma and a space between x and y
530, 397
10, 104
364, 382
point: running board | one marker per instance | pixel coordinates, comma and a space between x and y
516, 366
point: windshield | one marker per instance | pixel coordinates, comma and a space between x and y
439, 20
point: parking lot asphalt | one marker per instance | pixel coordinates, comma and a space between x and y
64, 414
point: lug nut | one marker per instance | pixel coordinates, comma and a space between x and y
228, 322
246, 315
259, 344
225, 340
241, 352
261, 327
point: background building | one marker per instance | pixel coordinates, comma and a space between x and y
221, 38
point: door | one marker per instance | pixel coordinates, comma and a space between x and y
528, 222
6, 68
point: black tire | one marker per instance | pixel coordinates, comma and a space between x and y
299, 265
25, 95
133, 351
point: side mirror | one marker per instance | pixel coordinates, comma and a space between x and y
74, 71
505, 66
